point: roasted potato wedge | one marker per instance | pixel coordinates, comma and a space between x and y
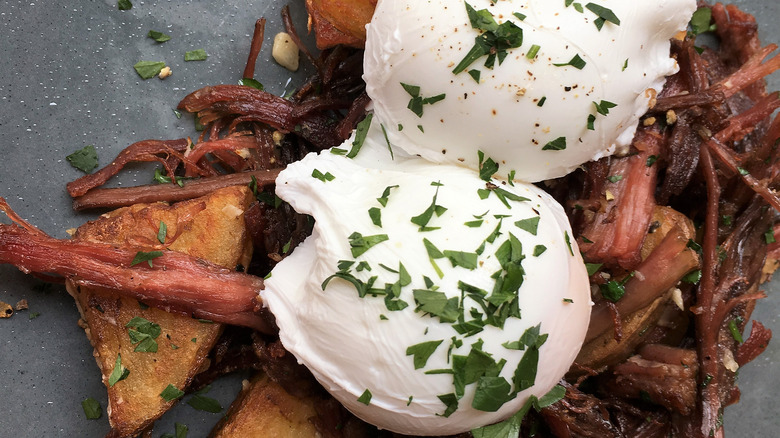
211, 228
265, 409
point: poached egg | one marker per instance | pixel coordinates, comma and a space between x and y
567, 86
428, 300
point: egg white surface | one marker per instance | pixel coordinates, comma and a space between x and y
420, 42
354, 344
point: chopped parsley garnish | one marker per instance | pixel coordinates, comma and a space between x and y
148, 69
376, 216
249, 82
533, 51
625, 65
769, 236
604, 14
466, 260
386, 195
539, 250
615, 178
171, 393
422, 352
84, 159
487, 168
735, 333
437, 304
143, 332
119, 372
567, 239
195, 55
558, 144
475, 74
604, 106
531, 224
142, 256
365, 398
162, 233
425, 217
614, 290
575, 62
92, 408
433, 254
158, 36
542, 101
520, 16
511, 427
494, 41
592, 268
124, 5
361, 131
591, 122
203, 403
359, 244
417, 102
701, 21
451, 403
693, 277
651, 160
387, 140
164, 179
324, 177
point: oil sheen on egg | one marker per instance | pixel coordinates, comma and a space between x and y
567, 84
429, 301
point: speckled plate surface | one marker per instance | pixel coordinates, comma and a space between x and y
66, 81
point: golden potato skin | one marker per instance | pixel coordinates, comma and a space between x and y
340, 21
211, 228
265, 409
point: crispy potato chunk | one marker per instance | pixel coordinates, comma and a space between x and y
265, 409
340, 21
211, 228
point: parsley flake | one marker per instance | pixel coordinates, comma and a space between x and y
361, 131
604, 14
359, 244
324, 177
92, 408
558, 144
142, 256
84, 159
422, 352
119, 372
171, 393
417, 102
365, 398
195, 55
148, 69
158, 36
494, 41
531, 224
575, 62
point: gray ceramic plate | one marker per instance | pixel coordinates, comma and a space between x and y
66, 81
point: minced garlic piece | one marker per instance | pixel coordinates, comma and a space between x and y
285, 52
165, 72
